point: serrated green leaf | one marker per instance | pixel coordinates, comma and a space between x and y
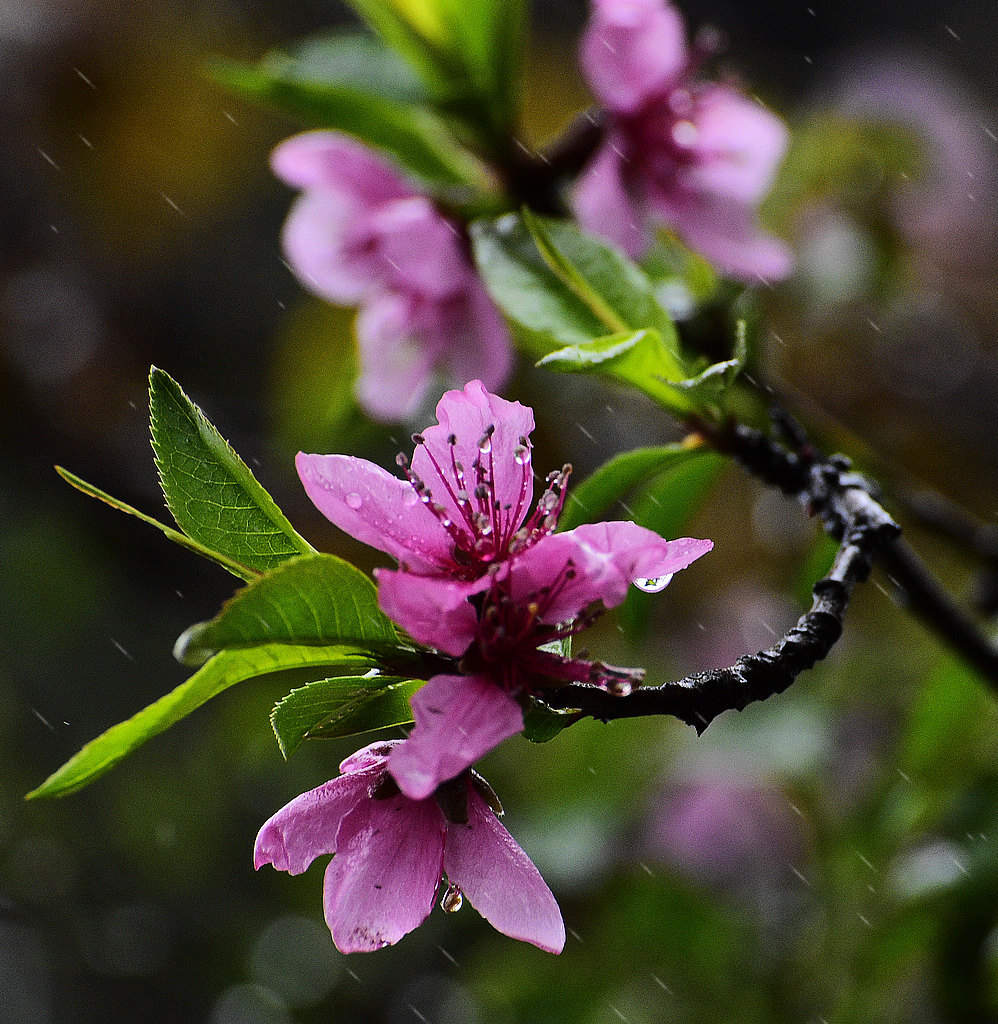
588, 501
418, 139
563, 291
638, 358
541, 723
213, 496
341, 706
243, 572
315, 599
223, 671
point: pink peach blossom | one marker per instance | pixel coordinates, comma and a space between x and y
390, 854
481, 578
362, 234
695, 157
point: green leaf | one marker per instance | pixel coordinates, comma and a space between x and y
666, 505
212, 494
315, 599
219, 674
468, 54
580, 302
341, 706
418, 139
588, 501
638, 358
351, 59
244, 572
541, 723
711, 383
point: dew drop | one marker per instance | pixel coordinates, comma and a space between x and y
485, 444
653, 584
410, 498
354, 500
620, 688
521, 454
452, 901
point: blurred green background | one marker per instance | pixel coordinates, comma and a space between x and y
827, 856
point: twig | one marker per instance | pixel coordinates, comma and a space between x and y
844, 501
849, 509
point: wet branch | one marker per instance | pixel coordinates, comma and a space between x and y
847, 504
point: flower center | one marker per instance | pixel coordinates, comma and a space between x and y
486, 515
511, 634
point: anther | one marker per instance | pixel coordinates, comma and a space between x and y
418, 439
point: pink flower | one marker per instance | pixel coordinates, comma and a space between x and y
391, 854
482, 578
362, 234
695, 157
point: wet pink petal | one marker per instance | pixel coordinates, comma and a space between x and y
306, 827
596, 562
632, 50
375, 507
458, 720
739, 145
432, 609
603, 204
374, 755
466, 415
382, 882
500, 880
336, 163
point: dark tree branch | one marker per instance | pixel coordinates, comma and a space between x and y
850, 512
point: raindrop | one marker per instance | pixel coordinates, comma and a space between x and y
620, 688
521, 454
353, 500
410, 498
452, 901
653, 584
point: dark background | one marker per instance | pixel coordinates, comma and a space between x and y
828, 855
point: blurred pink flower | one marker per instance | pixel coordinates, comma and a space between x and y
724, 829
695, 157
361, 234
470, 537
391, 853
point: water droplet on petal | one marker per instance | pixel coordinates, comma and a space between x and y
452, 900
410, 498
354, 500
653, 584
620, 688
521, 454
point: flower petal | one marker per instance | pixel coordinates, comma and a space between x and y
319, 241
382, 882
398, 348
484, 861
466, 415
433, 609
605, 559
725, 232
479, 343
603, 204
458, 720
374, 755
306, 827
374, 507
738, 144
336, 163
421, 249
632, 51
